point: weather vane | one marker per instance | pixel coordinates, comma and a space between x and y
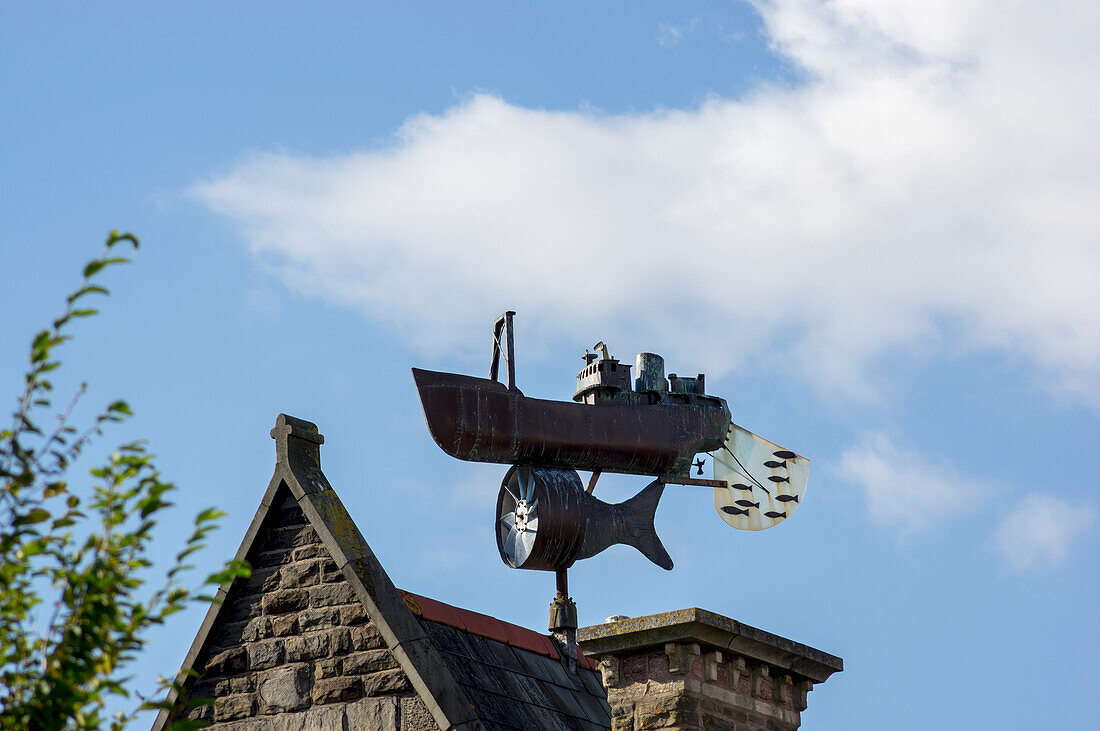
546, 518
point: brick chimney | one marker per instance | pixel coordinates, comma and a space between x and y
693, 669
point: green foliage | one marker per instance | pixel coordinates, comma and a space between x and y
74, 563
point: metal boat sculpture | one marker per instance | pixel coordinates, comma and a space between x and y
482, 420
648, 425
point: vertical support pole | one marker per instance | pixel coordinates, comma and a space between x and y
563, 621
561, 579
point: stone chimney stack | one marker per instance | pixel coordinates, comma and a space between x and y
693, 669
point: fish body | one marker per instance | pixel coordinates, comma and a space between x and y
785, 454
773, 464
547, 521
775, 514
747, 503
787, 498
734, 511
777, 478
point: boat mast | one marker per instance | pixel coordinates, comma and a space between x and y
504, 344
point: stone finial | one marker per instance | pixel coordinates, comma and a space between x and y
296, 438
681, 657
298, 448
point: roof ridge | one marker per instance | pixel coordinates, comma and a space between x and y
488, 626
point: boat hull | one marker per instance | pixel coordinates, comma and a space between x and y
481, 420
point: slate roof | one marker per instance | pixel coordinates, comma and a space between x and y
512, 676
471, 670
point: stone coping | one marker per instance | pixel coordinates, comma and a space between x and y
710, 630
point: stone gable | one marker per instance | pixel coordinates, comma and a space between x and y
293, 648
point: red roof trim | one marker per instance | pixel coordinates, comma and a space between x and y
485, 626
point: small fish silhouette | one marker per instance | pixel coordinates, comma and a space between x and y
787, 498
741, 486
747, 503
734, 511
773, 464
785, 454
777, 478
773, 514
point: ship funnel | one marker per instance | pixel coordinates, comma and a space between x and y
650, 368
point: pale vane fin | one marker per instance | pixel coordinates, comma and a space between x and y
759, 495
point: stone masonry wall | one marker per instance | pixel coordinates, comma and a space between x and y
684, 687
293, 647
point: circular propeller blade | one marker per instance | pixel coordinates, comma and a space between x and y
510, 547
541, 517
524, 483
524, 543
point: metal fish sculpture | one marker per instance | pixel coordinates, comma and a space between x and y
547, 521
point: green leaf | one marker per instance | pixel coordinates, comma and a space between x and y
89, 289
37, 515
54, 489
93, 266
208, 515
115, 237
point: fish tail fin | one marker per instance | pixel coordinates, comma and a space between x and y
639, 512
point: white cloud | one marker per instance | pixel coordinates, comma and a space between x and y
671, 35
909, 493
904, 491
1039, 534
937, 176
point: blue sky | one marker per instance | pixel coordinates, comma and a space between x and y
873, 225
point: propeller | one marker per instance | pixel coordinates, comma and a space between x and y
518, 524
